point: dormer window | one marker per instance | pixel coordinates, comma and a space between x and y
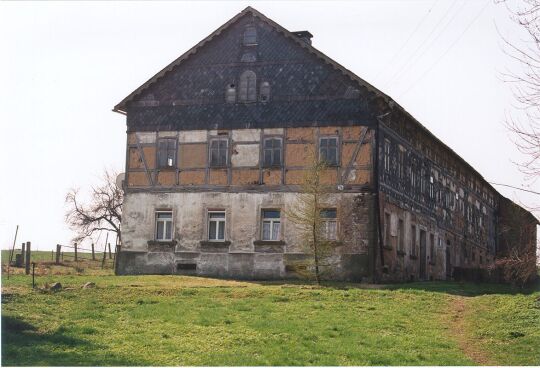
248, 87
250, 36
265, 92
230, 93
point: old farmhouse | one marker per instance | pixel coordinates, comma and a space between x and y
217, 144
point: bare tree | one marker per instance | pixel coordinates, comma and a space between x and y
306, 213
103, 212
525, 125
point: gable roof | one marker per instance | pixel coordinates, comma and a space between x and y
121, 106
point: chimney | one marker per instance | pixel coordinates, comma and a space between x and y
304, 36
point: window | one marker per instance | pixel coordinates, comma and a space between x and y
272, 152
271, 224
230, 93
250, 35
328, 150
386, 155
432, 248
163, 225
248, 87
265, 92
387, 232
218, 152
413, 240
401, 235
329, 224
216, 225
167, 152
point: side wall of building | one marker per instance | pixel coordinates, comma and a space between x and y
438, 216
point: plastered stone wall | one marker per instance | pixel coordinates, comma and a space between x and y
240, 259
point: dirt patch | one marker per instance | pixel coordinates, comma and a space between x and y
458, 330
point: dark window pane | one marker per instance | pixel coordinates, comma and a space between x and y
221, 234
212, 230
332, 142
217, 215
277, 157
328, 213
267, 157
160, 230
332, 159
268, 143
164, 215
271, 213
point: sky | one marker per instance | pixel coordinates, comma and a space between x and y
65, 65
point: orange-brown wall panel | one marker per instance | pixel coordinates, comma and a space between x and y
137, 179
307, 134
218, 177
192, 177
167, 178
272, 177
299, 154
192, 155
243, 177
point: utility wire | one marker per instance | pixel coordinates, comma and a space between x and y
429, 46
511, 186
422, 43
447, 50
408, 39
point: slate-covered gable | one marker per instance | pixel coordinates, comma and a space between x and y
304, 89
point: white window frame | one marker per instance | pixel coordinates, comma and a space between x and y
217, 221
272, 221
325, 221
165, 221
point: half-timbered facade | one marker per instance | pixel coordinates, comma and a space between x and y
219, 140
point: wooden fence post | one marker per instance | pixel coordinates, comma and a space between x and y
75, 246
23, 252
27, 259
58, 249
104, 257
93, 254
110, 255
52, 255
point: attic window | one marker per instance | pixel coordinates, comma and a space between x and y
250, 36
248, 57
248, 87
265, 91
230, 93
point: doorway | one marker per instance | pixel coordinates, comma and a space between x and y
423, 255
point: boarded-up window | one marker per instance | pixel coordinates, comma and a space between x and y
250, 35
248, 87
265, 92
230, 93
218, 152
167, 152
328, 150
272, 152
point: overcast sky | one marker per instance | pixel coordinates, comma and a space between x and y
65, 65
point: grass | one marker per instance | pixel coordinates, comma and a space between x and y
175, 320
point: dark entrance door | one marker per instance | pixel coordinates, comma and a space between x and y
423, 256
448, 261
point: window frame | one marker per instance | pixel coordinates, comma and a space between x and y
167, 150
337, 147
210, 149
218, 221
167, 220
249, 78
272, 221
249, 37
272, 149
327, 220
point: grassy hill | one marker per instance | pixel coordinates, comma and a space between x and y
173, 320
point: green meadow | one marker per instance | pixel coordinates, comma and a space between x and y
176, 320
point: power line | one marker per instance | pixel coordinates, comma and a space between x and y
511, 186
422, 43
447, 50
432, 42
408, 39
